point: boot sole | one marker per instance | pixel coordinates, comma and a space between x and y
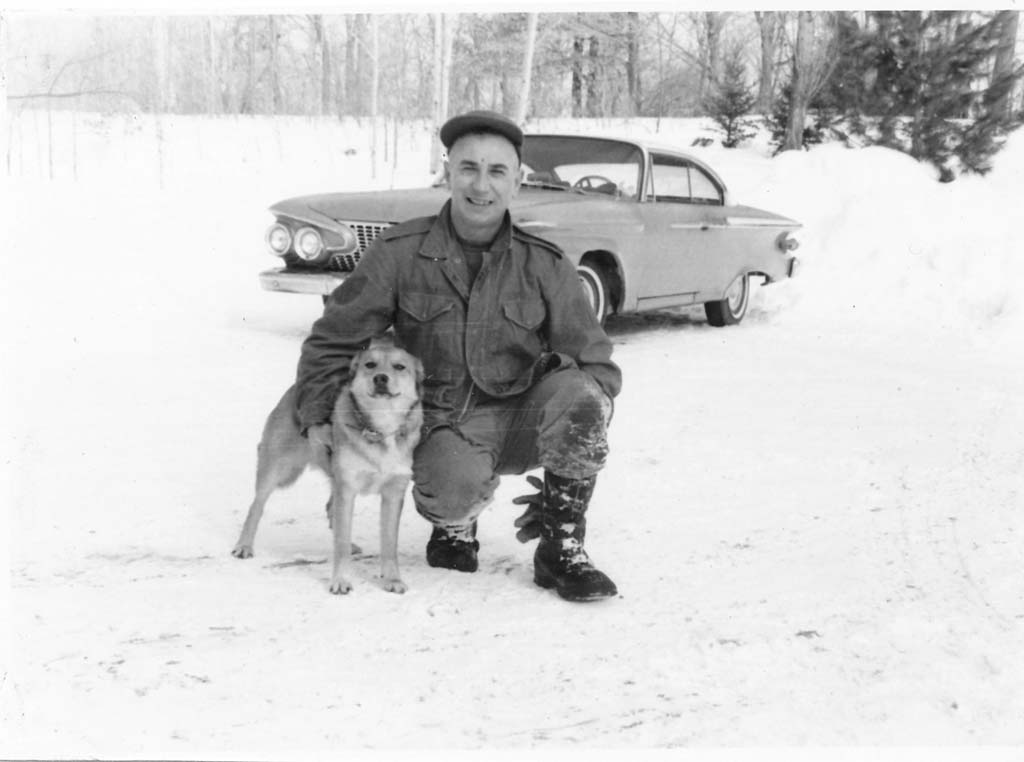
550, 583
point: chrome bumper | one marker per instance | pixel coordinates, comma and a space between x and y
280, 279
794, 267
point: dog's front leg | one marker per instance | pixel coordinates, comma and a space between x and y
342, 503
391, 497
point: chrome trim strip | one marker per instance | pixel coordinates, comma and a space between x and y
757, 222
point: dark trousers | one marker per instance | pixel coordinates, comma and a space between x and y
560, 424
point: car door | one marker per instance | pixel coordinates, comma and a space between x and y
686, 228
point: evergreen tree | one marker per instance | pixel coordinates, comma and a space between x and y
932, 90
731, 101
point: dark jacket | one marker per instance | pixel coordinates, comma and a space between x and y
525, 304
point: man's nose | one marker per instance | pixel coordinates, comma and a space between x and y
480, 181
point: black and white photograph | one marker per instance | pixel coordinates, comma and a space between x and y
430, 381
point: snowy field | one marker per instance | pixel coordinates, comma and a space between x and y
814, 518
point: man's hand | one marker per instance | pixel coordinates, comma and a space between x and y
529, 522
321, 435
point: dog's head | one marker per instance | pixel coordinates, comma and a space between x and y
385, 372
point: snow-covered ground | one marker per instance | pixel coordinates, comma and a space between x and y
814, 518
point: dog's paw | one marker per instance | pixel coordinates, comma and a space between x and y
242, 551
394, 585
340, 587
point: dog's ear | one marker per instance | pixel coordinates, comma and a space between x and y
350, 372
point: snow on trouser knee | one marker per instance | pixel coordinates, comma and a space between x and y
576, 444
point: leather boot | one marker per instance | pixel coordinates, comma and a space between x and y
453, 547
560, 561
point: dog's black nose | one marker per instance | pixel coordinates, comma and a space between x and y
380, 381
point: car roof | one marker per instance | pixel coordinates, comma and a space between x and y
648, 145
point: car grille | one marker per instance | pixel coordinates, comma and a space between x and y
365, 232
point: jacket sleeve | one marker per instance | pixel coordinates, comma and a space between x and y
362, 307
573, 329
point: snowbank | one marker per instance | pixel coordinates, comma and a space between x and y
813, 517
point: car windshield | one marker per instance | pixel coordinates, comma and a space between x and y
590, 165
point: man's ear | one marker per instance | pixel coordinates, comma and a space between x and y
447, 175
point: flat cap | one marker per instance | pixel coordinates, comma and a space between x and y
481, 121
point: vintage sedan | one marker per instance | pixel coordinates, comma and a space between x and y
646, 227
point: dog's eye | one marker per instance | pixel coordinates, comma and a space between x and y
370, 365
398, 366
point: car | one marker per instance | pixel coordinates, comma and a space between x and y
647, 228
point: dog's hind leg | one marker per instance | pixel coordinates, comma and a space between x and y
343, 502
392, 496
273, 470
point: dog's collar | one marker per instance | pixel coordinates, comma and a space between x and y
367, 431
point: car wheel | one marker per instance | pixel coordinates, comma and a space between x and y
595, 286
731, 309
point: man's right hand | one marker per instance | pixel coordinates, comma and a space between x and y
321, 435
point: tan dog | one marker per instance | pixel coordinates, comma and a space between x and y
375, 427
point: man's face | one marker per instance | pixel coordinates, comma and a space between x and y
484, 176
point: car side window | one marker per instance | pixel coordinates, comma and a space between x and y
675, 180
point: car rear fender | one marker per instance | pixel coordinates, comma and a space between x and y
596, 249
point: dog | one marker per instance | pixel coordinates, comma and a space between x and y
375, 426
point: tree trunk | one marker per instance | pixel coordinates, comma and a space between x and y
527, 80
440, 91
711, 58
249, 103
577, 77
768, 23
353, 56
323, 44
716, 20
212, 68
275, 77
633, 62
593, 101
374, 65
451, 22
161, 37
798, 102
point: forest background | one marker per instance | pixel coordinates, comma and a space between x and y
942, 85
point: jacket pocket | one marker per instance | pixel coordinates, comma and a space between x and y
425, 307
528, 315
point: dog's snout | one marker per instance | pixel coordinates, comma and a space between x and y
381, 380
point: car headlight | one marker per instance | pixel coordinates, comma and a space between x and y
309, 245
279, 239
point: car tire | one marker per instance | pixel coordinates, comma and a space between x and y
731, 309
595, 286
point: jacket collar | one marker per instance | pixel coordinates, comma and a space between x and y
441, 238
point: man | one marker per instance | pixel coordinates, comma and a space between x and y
518, 370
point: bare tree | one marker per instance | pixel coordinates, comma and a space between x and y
710, 25
527, 80
814, 59
770, 28
444, 41
212, 68
323, 45
633, 61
